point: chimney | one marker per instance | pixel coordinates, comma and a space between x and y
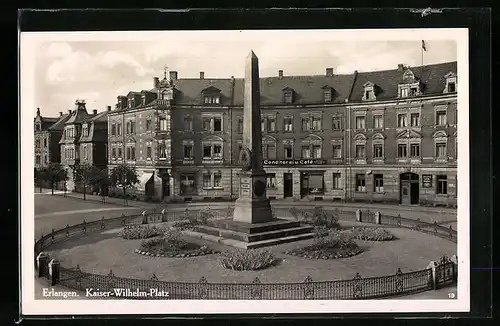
60, 114
280, 74
69, 111
38, 111
156, 82
329, 72
401, 67
173, 75
202, 75
108, 108
94, 111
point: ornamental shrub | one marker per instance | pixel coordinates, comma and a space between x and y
371, 234
140, 232
247, 260
322, 218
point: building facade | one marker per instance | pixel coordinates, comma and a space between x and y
47, 132
84, 140
369, 136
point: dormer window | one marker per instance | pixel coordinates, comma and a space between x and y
451, 83
327, 94
143, 99
410, 85
211, 95
369, 91
288, 95
131, 103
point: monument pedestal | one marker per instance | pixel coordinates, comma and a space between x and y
252, 206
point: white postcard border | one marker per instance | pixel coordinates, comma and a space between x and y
30, 306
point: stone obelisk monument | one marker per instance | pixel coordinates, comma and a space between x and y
252, 205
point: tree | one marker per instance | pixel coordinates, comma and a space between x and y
39, 177
102, 182
87, 175
53, 174
125, 177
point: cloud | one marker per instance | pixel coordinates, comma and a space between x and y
58, 50
112, 59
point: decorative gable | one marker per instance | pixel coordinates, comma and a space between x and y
211, 90
410, 85
451, 83
409, 134
369, 91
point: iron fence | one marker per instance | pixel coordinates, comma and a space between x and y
400, 283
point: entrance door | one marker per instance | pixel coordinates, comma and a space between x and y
287, 185
409, 193
165, 185
304, 185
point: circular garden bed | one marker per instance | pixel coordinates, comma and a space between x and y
335, 245
141, 232
247, 260
171, 244
371, 234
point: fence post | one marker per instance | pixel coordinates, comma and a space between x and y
144, 217
454, 260
358, 215
41, 262
164, 217
54, 271
433, 280
377, 217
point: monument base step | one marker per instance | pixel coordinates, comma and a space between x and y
248, 245
254, 237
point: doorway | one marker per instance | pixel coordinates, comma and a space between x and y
409, 188
165, 185
287, 185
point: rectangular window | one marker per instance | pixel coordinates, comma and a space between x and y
404, 92
271, 180
360, 122
37, 143
263, 125
378, 183
451, 87
368, 94
288, 151
360, 151
113, 130
187, 184
306, 124
188, 124
127, 153
207, 151
217, 180
415, 150
271, 124
45, 142
37, 159
84, 149
132, 153
316, 124
337, 151
148, 124
306, 151
415, 119
163, 124
207, 124
336, 181
441, 118
402, 120
378, 151
217, 151
315, 184
217, 124
46, 159
119, 129
442, 185
149, 151
360, 183
402, 150
336, 125
269, 151
162, 149
288, 124
113, 153
188, 151
317, 151
378, 121
120, 154
288, 97
207, 180
127, 124
327, 95
413, 91
240, 126
441, 150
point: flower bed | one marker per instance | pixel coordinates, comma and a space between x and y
371, 234
247, 260
192, 219
319, 217
335, 245
171, 244
141, 232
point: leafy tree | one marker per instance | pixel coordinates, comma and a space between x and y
102, 182
39, 177
125, 177
53, 174
86, 175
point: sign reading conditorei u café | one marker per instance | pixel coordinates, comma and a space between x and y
295, 162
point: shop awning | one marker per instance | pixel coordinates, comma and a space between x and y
143, 179
316, 181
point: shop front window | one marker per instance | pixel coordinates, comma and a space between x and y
313, 183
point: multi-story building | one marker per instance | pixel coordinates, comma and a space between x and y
48, 131
371, 136
84, 139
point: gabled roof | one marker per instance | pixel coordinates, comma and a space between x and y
99, 117
211, 89
59, 124
431, 76
188, 91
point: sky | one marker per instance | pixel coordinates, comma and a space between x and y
98, 71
